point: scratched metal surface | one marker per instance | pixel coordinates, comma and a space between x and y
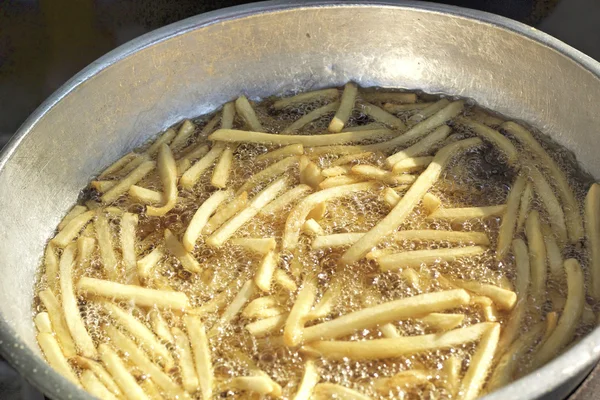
191, 67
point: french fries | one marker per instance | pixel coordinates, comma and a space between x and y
189, 377
105, 244
286, 151
55, 356
260, 246
185, 131
293, 333
269, 173
225, 212
202, 354
312, 116
245, 110
493, 136
59, 325
100, 372
592, 230
117, 368
416, 258
115, 167
421, 147
146, 196
129, 223
553, 208
380, 115
223, 168
51, 266
124, 184
190, 177
168, 176
145, 265
411, 164
537, 256
92, 384
42, 322
428, 111
442, 322
266, 326
309, 381
160, 326
324, 391
509, 219
201, 217
375, 173
165, 138
236, 305
480, 365
72, 229
307, 97
186, 259
468, 213
375, 96
346, 105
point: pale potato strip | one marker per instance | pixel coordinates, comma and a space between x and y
396, 347
537, 256
380, 115
116, 166
327, 303
221, 235
228, 115
70, 306
151, 389
480, 365
372, 172
293, 332
335, 391
412, 197
219, 301
260, 246
144, 335
223, 168
485, 118
451, 371
225, 212
421, 147
202, 354
100, 373
431, 203
336, 171
592, 230
186, 258
120, 373
165, 138
133, 164
404, 379
292, 195
242, 357
383, 313
284, 280
346, 106
400, 108
416, 258
551, 203
311, 116
234, 308
264, 274
380, 96
504, 299
569, 318
140, 296
412, 276
553, 251
428, 111
311, 175
146, 196
307, 97
312, 227
551, 323
286, 151
72, 229
55, 356
246, 112
257, 384
298, 214
59, 325
167, 171
189, 377
129, 223
442, 322
107, 251
92, 384
340, 150
74, 212
367, 127
135, 354
266, 326
341, 180
389, 330
272, 171
390, 196
411, 164
145, 265
570, 204
350, 158
160, 326
201, 217
500, 141
190, 177
509, 219
310, 378
51, 266
468, 213
184, 163
523, 271
131, 179
184, 132
42, 322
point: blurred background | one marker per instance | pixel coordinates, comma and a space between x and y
45, 42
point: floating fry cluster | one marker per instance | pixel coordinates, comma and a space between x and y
355, 244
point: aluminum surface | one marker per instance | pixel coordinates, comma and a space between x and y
189, 68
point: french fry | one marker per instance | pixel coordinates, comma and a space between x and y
307, 97
421, 147
246, 112
254, 370
567, 323
346, 106
500, 141
412, 276
284, 280
151, 389
201, 217
51, 267
160, 326
257, 384
293, 331
327, 303
42, 323
140, 296
128, 237
403, 379
219, 301
256, 306
389, 330
336, 171
260, 246
451, 372
131, 179
185, 162
223, 168
401, 108
553, 251
551, 204
202, 354
380, 115
55, 356
72, 229
334, 391
416, 258
190, 177
185, 131
486, 118
311, 175
311, 116
524, 206
144, 335
431, 203
310, 378
386, 312
225, 212
117, 368
74, 212
264, 274
468, 213
221, 235
266, 326
377, 96
504, 299
551, 323
168, 176
412, 197
351, 158
135, 354
98, 370
312, 227
186, 259
366, 127
146, 265
297, 216
104, 238
145, 196
411, 164
228, 115
592, 230
480, 365
442, 322
509, 219
116, 166
279, 168
59, 325
371, 172
189, 377
165, 138
428, 111
341, 180
396, 347
390, 196
137, 160
570, 204
79, 333
234, 308
339, 150
286, 151
537, 256
295, 193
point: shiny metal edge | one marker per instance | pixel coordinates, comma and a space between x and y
580, 357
